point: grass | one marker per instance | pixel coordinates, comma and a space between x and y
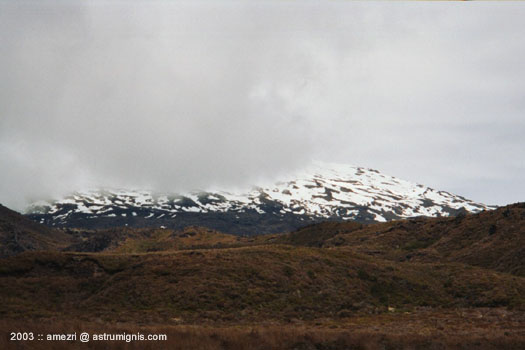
247, 284
462, 329
446, 283
493, 239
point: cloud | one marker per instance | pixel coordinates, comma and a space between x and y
177, 95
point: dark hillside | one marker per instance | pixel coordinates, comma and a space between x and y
449, 281
250, 284
491, 239
19, 234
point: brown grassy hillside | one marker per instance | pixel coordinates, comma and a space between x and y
19, 234
444, 283
491, 239
242, 284
142, 240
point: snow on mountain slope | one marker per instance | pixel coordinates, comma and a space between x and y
323, 191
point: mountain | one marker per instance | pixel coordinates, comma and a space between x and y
322, 192
19, 234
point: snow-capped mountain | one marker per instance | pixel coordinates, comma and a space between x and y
323, 191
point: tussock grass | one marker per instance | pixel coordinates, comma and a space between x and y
447, 283
420, 332
267, 282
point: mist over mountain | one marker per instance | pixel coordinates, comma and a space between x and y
181, 95
324, 191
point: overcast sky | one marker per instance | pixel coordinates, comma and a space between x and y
182, 95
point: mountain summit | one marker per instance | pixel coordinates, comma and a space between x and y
324, 191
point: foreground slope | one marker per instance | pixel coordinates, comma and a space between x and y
323, 191
251, 284
445, 283
321, 271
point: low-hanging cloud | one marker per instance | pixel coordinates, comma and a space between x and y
176, 95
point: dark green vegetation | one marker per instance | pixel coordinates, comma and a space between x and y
327, 276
